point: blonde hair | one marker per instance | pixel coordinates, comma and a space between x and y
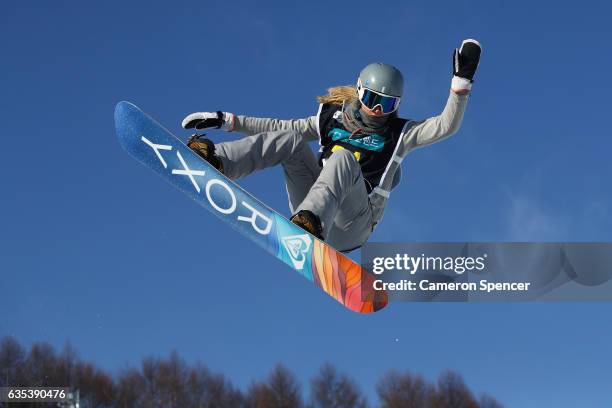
339, 94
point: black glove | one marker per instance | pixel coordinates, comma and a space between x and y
466, 59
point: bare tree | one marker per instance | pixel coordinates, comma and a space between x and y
404, 390
96, 387
172, 383
40, 365
280, 391
12, 358
487, 401
332, 390
67, 366
221, 393
130, 390
285, 388
207, 390
260, 395
453, 393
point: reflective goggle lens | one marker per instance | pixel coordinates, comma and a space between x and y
371, 99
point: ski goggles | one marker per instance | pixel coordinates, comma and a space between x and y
371, 99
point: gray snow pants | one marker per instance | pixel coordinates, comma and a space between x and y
336, 192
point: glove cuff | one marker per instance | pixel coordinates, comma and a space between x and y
229, 121
459, 84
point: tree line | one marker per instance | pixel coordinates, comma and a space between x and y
171, 382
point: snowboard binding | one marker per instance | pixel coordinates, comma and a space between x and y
309, 222
205, 148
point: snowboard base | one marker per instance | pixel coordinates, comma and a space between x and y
336, 274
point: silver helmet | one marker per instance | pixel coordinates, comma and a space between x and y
382, 78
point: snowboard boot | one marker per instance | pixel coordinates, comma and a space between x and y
308, 221
205, 148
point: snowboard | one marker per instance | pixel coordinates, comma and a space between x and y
336, 274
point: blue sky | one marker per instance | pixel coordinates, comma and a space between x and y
97, 250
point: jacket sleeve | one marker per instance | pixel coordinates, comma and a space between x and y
415, 135
435, 128
307, 127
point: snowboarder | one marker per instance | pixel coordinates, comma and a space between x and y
339, 197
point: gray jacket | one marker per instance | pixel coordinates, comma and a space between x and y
415, 134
